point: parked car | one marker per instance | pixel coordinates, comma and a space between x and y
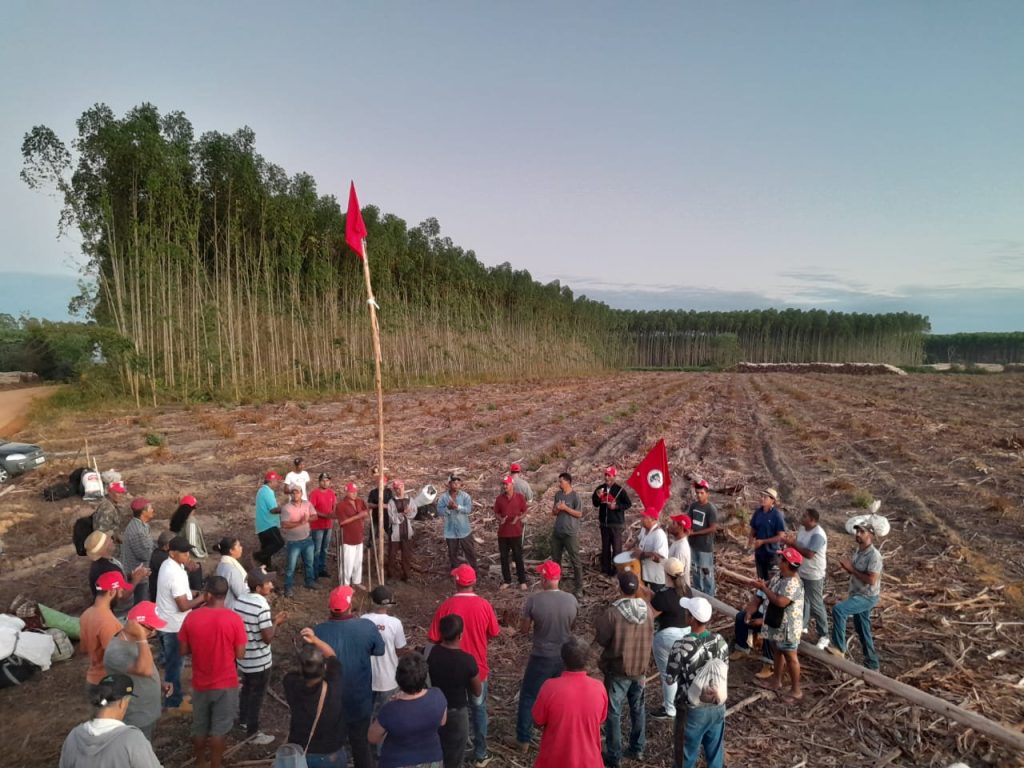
16, 458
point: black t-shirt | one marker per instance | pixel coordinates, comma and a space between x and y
672, 613
371, 502
451, 670
98, 568
303, 699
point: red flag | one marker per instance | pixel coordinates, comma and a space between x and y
355, 229
651, 480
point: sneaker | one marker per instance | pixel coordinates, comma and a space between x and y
482, 762
505, 585
835, 651
522, 747
661, 714
739, 653
524, 587
635, 756
288, 593
823, 643
262, 739
767, 671
313, 585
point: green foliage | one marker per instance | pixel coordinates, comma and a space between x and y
55, 351
861, 499
155, 439
966, 348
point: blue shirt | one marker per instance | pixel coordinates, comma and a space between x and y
354, 641
266, 500
412, 730
455, 514
765, 525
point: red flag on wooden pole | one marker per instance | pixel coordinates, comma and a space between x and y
651, 480
355, 229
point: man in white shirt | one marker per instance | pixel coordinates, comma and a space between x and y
173, 602
812, 542
391, 629
651, 549
679, 543
298, 478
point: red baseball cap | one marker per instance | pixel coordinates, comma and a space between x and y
117, 487
190, 500
507, 480
515, 468
701, 484
139, 504
550, 570
464, 575
792, 556
341, 599
111, 580
683, 520
611, 472
353, 487
271, 475
651, 512
145, 613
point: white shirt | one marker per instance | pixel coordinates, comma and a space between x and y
171, 582
384, 667
654, 541
813, 568
680, 550
299, 480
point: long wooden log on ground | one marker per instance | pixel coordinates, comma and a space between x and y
979, 723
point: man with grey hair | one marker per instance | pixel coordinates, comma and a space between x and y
865, 569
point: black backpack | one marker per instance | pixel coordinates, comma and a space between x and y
58, 491
83, 527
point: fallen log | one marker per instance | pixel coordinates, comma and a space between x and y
979, 723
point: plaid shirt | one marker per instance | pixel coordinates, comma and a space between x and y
688, 655
137, 545
627, 645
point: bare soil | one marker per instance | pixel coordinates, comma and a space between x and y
944, 454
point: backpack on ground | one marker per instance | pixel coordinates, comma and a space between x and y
80, 532
710, 685
58, 491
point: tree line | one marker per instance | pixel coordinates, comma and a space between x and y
963, 348
217, 274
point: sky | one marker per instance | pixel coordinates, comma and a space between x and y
862, 156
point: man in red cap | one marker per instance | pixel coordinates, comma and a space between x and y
679, 543
652, 549
551, 613
704, 516
129, 653
785, 593
268, 520
98, 623
480, 624
612, 501
137, 545
510, 509
351, 511
354, 642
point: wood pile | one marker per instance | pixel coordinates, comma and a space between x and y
855, 369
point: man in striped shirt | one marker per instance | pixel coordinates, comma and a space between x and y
255, 666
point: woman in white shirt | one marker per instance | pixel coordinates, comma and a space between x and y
230, 567
298, 478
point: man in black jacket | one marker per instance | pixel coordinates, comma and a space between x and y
611, 501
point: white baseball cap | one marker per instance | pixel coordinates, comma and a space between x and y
698, 606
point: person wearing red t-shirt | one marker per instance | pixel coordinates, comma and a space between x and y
351, 512
571, 709
480, 624
321, 527
510, 509
216, 638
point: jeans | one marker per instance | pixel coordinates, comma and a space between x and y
621, 690
570, 545
478, 715
358, 744
539, 669
703, 570
763, 564
321, 546
704, 726
611, 545
859, 607
172, 667
453, 734
336, 760
465, 545
511, 545
305, 549
814, 605
254, 686
271, 542
743, 632
663, 642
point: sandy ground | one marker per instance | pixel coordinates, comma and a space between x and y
14, 407
944, 454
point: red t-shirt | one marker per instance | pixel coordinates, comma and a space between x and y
212, 635
510, 513
571, 708
323, 501
347, 509
480, 624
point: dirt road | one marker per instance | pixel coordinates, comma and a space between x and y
14, 407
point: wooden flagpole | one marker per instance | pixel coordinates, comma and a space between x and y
372, 302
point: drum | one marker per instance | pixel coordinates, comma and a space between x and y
625, 563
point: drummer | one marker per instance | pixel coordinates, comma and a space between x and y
651, 549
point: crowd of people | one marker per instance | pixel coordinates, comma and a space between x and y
357, 691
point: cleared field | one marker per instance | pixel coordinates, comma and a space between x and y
944, 454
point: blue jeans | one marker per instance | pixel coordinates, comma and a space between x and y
539, 669
744, 631
859, 607
478, 720
703, 570
296, 548
336, 760
172, 667
705, 726
663, 642
321, 546
620, 690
